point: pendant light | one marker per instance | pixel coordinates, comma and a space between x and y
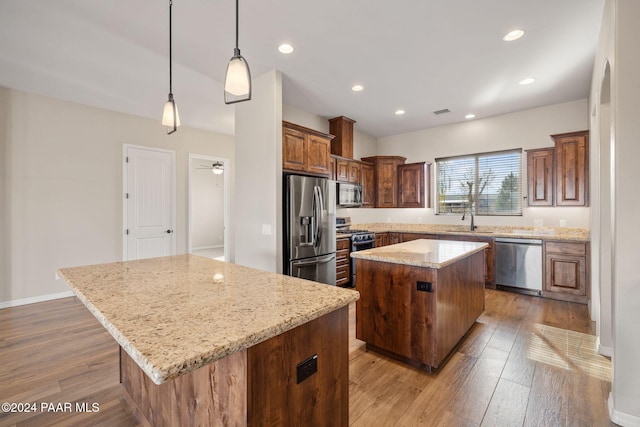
237, 82
170, 116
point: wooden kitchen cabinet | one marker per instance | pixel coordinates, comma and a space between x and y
343, 265
566, 267
540, 173
348, 170
572, 168
305, 150
354, 172
342, 144
386, 172
368, 181
394, 238
342, 169
413, 179
382, 239
332, 168
406, 237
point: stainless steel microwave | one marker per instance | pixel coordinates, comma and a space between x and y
348, 195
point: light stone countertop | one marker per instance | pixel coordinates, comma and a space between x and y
175, 314
422, 252
545, 233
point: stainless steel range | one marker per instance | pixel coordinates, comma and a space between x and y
360, 240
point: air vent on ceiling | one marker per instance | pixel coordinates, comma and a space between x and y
444, 111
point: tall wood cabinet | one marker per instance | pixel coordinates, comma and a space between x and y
342, 144
572, 168
305, 150
386, 172
559, 176
368, 181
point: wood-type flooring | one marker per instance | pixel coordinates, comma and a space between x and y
526, 362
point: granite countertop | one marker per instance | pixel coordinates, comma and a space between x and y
545, 233
175, 314
422, 252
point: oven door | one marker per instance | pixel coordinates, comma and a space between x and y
359, 246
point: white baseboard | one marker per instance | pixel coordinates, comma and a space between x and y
605, 351
621, 418
202, 248
33, 300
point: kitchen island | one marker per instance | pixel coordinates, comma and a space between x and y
419, 298
203, 342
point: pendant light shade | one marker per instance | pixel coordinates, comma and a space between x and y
170, 116
237, 82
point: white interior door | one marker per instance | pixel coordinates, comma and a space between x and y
149, 207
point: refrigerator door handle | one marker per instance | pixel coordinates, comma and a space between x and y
321, 260
318, 215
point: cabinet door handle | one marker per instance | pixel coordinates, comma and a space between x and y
169, 231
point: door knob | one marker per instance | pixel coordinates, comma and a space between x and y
169, 231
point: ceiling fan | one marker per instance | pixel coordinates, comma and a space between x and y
217, 168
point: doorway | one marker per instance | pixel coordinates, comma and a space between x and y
209, 206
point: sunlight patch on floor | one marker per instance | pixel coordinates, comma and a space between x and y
569, 350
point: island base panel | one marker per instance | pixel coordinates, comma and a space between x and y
212, 395
418, 323
257, 386
322, 399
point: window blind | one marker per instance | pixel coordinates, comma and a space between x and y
491, 183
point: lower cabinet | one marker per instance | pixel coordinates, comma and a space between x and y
343, 269
382, 239
406, 237
565, 271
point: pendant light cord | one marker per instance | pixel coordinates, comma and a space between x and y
237, 25
170, 61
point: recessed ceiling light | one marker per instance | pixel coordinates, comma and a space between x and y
513, 35
357, 88
399, 112
285, 48
470, 116
527, 81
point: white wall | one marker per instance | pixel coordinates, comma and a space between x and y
207, 204
257, 199
618, 46
62, 193
526, 129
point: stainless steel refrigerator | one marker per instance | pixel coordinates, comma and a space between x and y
310, 228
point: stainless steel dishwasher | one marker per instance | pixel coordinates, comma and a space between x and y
519, 263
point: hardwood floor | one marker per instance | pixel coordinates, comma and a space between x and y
526, 362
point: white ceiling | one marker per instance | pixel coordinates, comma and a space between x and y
415, 55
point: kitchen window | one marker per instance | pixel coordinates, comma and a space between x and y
488, 183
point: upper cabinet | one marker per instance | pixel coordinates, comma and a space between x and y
342, 144
368, 181
558, 176
540, 170
412, 178
305, 150
572, 173
386, 173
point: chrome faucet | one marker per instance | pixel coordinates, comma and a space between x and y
472, 227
